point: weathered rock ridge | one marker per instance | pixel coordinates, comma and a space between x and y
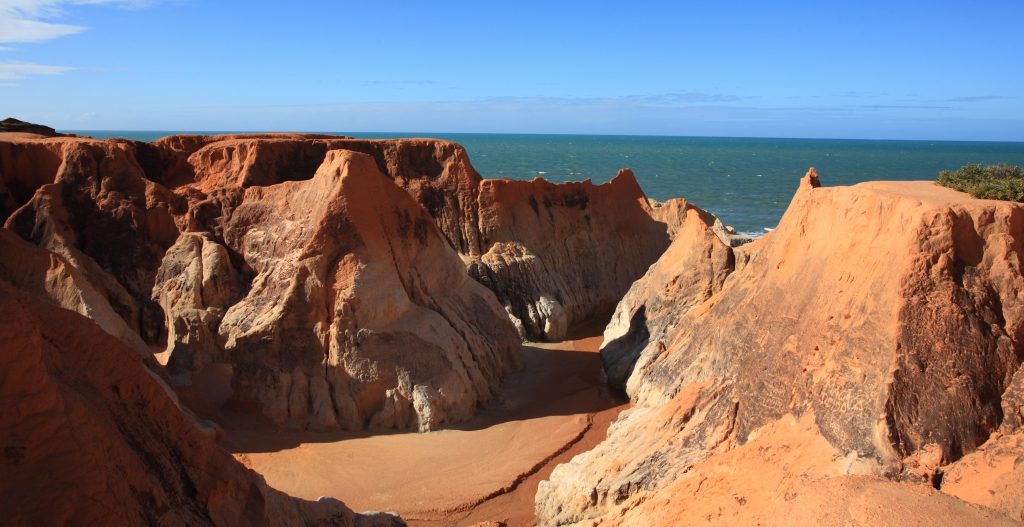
358, 306
557, 255
91, 436
693, 269
328, 293
554, 254
184, 239
884, 319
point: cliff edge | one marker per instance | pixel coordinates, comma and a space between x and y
876, 333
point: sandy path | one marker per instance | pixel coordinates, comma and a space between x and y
487, 469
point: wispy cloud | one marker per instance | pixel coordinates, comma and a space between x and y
977, 98
20, 30
31, 21
404, 82
659, 100
684, 98
13, 72
898, 107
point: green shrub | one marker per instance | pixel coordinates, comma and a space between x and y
1005, 182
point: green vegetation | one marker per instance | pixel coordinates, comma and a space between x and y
1005, 182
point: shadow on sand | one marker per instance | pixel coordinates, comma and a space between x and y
559, 379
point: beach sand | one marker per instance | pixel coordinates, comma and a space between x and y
555, 407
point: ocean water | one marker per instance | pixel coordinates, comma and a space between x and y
748, 182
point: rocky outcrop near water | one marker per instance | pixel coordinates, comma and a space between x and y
873, 338
558, 255
860, 365
328, 293
538, 246
13, 125
543, 248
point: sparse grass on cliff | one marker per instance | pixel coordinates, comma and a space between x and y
1002, 181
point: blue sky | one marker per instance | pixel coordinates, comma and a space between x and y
867, 69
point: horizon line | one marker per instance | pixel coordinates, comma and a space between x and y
434, 134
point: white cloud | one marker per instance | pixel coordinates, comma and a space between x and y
12, 72
16, 30
28, 21
32, 21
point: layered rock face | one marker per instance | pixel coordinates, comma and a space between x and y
557, 255
51, 278
91, 436
883, 318
95, 208
546, 250
540, 247
157, 230
693, 269
328, 293
358, 307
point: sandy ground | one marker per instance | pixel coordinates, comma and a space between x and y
488, 469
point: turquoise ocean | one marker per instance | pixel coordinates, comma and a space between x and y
747, 182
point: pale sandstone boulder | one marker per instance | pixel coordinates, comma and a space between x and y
194, 286
891, 311
90, 436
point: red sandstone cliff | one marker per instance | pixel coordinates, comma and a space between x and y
865, 352
557, 255
138, 221
91, 436
542, 248
358, 306
876, 332
323, 274
329, 293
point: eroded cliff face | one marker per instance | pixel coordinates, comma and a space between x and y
91, 436
694, 268
554, 254
883, 317
96, 209
557, 255
328, 294
166, 233
541, 248
358, 306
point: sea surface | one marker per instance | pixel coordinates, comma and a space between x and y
748, 182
